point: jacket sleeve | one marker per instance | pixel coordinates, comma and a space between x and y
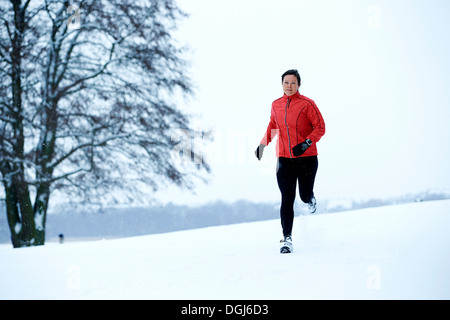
317, 122
271, 130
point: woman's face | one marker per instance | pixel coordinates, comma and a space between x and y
290, 84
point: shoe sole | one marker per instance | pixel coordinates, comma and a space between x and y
285, 250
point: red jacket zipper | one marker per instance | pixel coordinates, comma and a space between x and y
287, 126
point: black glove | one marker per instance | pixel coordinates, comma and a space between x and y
299, 149
259, 151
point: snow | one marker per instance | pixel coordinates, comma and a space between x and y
391, 252
17, 227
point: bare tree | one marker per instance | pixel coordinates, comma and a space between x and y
88, 101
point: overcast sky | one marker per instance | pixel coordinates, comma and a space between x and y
378, 71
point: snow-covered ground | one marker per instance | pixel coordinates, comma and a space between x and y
393, 252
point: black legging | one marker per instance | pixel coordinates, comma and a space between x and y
289, 171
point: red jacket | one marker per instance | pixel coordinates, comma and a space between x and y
294, 118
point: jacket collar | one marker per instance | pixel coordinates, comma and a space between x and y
295, 95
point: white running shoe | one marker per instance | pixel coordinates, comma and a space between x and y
286, 246
312, 205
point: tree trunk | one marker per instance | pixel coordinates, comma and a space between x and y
40, 213
20, 213
26, 223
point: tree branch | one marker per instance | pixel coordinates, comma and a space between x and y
86, 145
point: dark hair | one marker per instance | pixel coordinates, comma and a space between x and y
293, 72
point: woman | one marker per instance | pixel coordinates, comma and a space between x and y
299, 125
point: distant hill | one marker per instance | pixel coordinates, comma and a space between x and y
125, 222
